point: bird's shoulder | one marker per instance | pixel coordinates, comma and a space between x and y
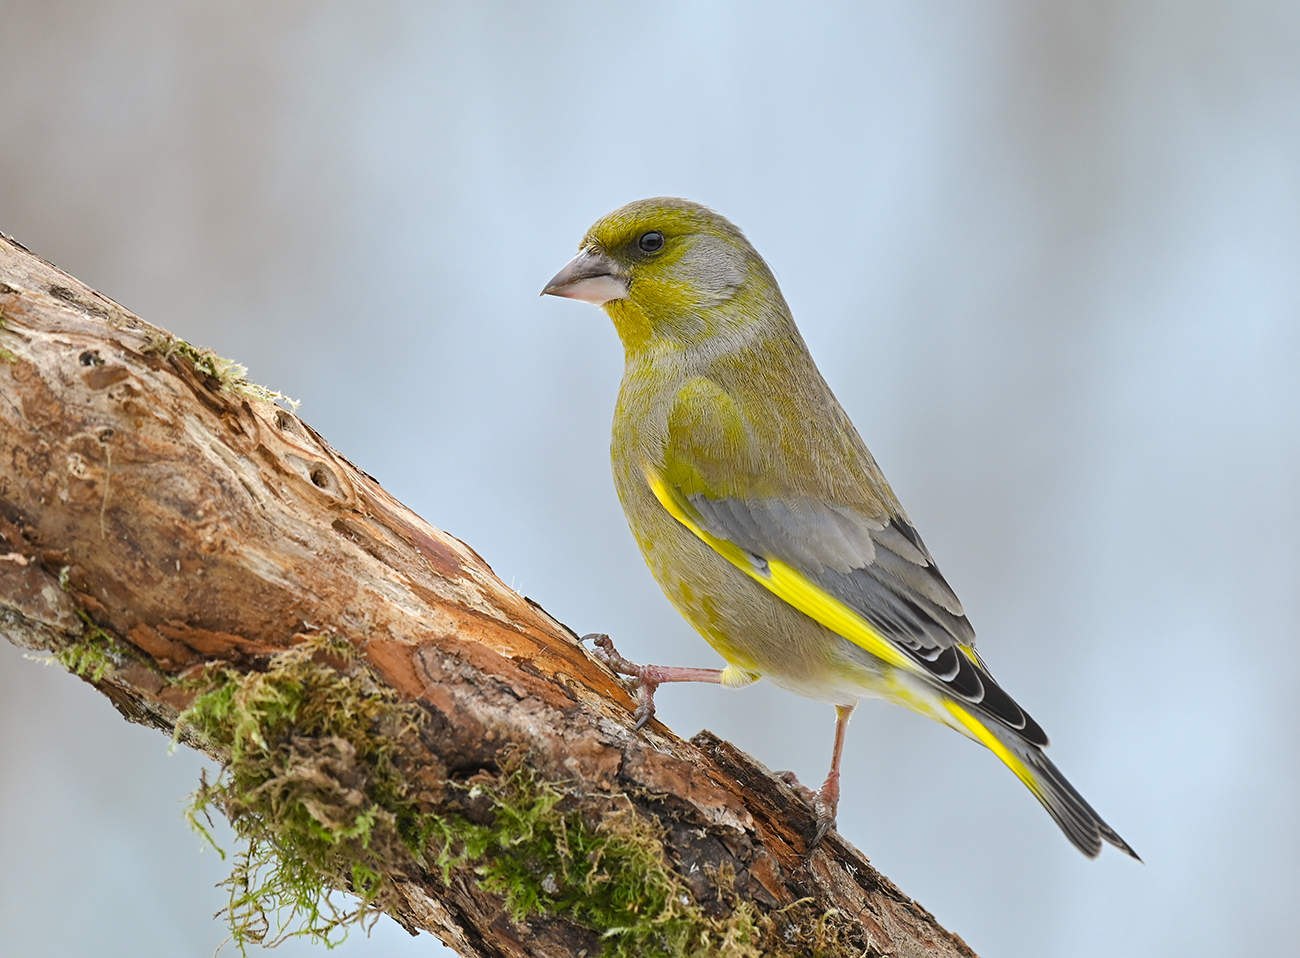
759, 430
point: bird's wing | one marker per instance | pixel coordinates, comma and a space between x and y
867, 578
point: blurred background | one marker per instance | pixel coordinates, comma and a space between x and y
1046, 254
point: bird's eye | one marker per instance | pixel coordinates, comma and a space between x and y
651, 242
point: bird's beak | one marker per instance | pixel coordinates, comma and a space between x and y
591, 277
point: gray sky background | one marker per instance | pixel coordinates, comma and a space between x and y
1046, 254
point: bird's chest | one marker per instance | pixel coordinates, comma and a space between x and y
702, 586
637, 441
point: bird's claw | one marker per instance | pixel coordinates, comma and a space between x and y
825, 805
825, 822
799, 788
638, 680
604, 651
645, 709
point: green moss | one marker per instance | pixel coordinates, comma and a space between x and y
95, 652
312, 787
318, 790
547, 860
225, 373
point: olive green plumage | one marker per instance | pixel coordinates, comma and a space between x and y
759, 509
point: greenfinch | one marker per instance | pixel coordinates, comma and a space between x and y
762, 514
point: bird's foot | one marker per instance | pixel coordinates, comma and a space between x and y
645, 679
826, 805
800, 789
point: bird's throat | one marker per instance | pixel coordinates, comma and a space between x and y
634, 328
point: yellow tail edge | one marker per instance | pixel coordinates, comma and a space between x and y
981, 733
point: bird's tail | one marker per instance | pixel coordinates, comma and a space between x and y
1027, 761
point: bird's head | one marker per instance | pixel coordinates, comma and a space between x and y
667, 271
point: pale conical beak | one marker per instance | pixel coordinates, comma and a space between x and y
591, 277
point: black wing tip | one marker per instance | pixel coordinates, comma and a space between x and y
1033, 731
1112, 836
995, 701
1085, 829
1091, 843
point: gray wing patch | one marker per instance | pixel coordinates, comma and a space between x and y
806, 535
877, 567
882, 570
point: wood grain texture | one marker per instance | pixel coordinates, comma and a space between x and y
198, 523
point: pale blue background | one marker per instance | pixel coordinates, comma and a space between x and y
1048, 258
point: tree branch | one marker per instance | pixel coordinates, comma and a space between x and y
393, 720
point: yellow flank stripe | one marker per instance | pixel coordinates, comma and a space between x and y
814, 601
791, 586
979, 731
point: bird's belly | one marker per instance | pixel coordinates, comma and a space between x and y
749, 626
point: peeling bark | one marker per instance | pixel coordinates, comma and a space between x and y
172, 506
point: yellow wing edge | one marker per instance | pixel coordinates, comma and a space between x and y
787, 584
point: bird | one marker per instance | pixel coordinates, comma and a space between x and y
763, 516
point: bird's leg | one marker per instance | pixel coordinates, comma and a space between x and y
647, 678
828, 798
